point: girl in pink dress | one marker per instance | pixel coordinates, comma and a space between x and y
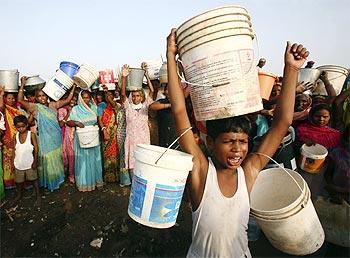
67, 139
136, 110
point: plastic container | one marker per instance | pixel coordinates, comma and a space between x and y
308, 75
285, 213
69, 68
336, 76
58, 85
86, 76
163, 73
153, 67
157, 189
134, 79
266, 81
9, 79
312, 157
88, 136
216, 50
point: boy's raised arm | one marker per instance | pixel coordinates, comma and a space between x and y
187, 142
294, 58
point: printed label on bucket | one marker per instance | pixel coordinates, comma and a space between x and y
166, 203
137, 195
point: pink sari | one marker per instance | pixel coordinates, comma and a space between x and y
67, 145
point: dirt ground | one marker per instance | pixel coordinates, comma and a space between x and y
67, 221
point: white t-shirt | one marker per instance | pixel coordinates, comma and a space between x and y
24, 153
220, 223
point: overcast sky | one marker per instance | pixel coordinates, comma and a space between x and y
36, 35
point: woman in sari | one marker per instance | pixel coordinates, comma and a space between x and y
51, 170
110, 143
67, 139
2, 131
8, 106
119, 113
317, 129
88, 163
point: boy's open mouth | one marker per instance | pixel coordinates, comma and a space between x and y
234, 161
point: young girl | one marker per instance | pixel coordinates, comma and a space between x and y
317, 129
26, 157
136, 111
10, 110
67, 139
51, 170
220, 185
88, 163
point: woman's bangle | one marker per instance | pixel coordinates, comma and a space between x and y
20, 90
103, 128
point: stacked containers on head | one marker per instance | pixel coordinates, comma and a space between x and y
62, 81
216, 50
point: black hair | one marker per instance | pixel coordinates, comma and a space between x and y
20, 119
88, 92
237, 124
319, 107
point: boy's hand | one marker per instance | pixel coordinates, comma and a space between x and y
104, 87
80, 125
125, 70
34, 165
171, 43
295, 55
144, 66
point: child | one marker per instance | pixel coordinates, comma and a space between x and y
26, 157
136, 111
220, 185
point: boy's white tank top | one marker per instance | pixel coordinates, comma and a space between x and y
24, 153
220, 224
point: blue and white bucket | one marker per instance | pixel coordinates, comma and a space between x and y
58, 85
69, 68
157, 188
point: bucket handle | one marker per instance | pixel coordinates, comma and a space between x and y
262, 154
178, 60
173, 143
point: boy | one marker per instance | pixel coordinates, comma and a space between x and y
26, 157
220, 186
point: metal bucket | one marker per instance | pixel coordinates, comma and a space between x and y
9, 79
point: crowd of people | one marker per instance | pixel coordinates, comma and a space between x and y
40, 145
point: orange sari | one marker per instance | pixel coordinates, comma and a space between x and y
9, 147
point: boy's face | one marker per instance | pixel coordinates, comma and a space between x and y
230, 149
21, 127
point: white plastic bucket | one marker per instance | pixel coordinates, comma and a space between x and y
134, 79
86, 76
157, 189
9, 79
153, 67
336, 76
312, 157
58, 85
216, 50
285, 212
88, 136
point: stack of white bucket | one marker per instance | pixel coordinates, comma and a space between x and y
216, 49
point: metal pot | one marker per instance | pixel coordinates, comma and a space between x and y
9, 79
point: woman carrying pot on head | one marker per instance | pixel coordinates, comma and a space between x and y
51, 170
9, 109
88, 162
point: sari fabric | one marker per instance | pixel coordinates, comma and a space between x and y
8, 147
110, 145
324, 135
2, 189
88, 162
51, 170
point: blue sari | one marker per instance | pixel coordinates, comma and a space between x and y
88, 162
51, 170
